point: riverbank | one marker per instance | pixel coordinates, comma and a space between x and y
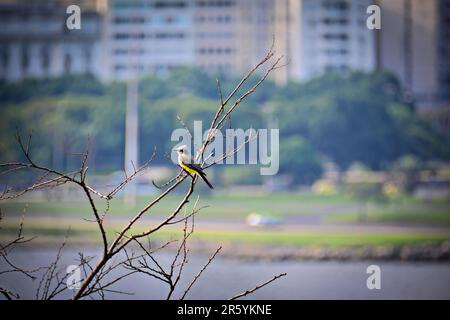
421, 252
282, 242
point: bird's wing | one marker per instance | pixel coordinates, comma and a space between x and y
194, 166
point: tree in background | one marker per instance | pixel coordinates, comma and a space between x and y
407, 170
358, 118
354, 118
299, 160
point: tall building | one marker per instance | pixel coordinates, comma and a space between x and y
146, 36
443, 50
123, 39
313, 36
35, 42
254, 32
152, 36
287, 15
414, 45
334, 37
216, 35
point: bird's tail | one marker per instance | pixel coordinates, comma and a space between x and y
203, 175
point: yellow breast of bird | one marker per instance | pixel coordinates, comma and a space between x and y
185, 167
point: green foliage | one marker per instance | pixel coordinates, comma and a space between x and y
299, 160
416, 136
240, 175
30, 88
365, 191
407, 170
359, 117
64, 125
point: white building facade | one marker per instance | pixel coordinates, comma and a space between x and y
334, 37
145, 37
35, 42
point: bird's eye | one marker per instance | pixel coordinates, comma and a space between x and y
181, 151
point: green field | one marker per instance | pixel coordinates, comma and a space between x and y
335, 209
218, 205
86, 232
414, 216
50, 220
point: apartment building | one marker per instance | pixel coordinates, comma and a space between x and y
123, 39
144, 37
414, 44
35, 42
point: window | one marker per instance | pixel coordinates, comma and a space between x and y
25, 59
129, 20
337, 68
335, 5
336, 52
335, 36
124, 36
170, 4
121, 36
67, 63
129, 4
200, 18
225, 3
119, 67
120, 51
335, 21
45, 52
87, 58
4, 56
215, 50
165, 35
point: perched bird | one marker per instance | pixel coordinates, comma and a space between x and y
186, 161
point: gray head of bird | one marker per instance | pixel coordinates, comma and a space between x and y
182, 149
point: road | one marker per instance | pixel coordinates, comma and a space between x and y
220, 223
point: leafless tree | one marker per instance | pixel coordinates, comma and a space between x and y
5, 250
96, 278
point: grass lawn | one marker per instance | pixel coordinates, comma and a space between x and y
218, 205
86, 232
335, 208
320, 239
413, 214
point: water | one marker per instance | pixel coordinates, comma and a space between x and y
225, 278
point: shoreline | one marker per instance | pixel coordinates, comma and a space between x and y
437, 252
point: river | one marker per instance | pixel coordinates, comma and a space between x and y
227, 277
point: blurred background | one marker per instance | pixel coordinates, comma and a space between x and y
364, 119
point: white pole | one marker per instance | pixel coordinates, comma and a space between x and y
131, 139
131, 119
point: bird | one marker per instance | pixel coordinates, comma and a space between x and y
186, 161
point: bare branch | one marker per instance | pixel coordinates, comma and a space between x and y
245, 293
132, 176
200, 273
95, 276
8, 294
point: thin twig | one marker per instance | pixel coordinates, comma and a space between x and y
200, 273
245, 293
